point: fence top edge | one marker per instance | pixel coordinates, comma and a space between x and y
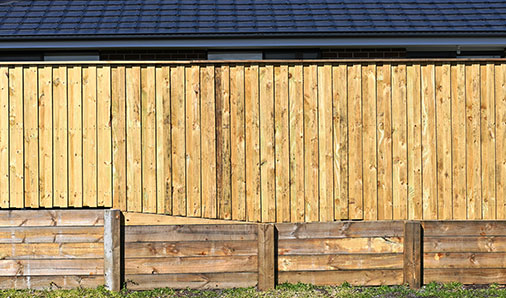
242, 62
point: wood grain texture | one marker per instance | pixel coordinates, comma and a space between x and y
414, 146
252, 118
237, 143
369, 143
41, 217
500, 116
311, 165
178, 149
209, 199
339, 262
223, 171
413, 248
51, 282
338, 277
266, 257
340, 128
192, 281
16, 126
4, 137
384, 135
148, 140
480, 276
75, 136
324, 246
60, 122
429, 163
325, 144
31, 137
458, 108
267, 153
133, 133
163, 142
399, 143
104, 137
192, 126
444, 139
282, 143
119, 146
90, 136
473, 142
488, 141
355, 131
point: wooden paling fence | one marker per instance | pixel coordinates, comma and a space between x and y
258, 141
89, 248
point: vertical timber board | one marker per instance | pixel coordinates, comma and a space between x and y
370, 163
133, 122
16, 173
60, 158
267, 164
104, 136
414, 137
413, 254
500, 112
237, 142
89, 136
473, 142
223, 192
311, 167
355, 141
148, 139
281, 131
458, 141
192, 113
399, 143
443, 143
488, 141
31, 137
429, 172
119, 160
384, 131
340, 128
46, 136
209, 206
112, 249
4, 137
325, 148
163, 142
177, 108
266, 257
75, 137
296, 149
252, 118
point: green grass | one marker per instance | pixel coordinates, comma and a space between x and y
432, 290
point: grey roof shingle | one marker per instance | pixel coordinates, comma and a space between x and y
110, 18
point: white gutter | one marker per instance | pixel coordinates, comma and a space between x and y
478, 42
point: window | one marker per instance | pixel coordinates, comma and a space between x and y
234, 55
90, 56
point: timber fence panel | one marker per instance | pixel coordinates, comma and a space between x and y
261, 141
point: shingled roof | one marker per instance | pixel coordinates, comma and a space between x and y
66, 19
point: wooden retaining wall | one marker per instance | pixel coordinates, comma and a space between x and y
194, 256
48, 248
88, 248
296, 141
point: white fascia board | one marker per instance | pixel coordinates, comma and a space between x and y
257, 43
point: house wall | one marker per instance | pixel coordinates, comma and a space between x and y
154, 54
196, 54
